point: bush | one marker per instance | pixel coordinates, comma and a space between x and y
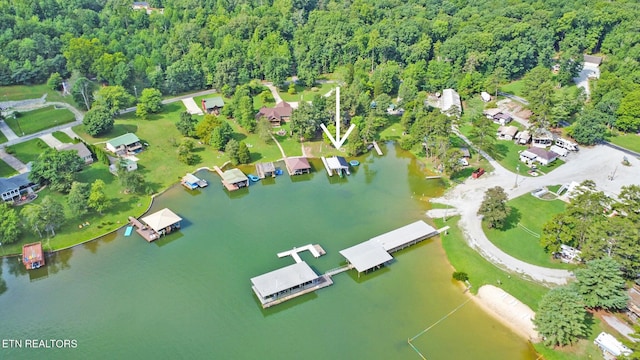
460, 276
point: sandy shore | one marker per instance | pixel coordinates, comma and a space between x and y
508, 310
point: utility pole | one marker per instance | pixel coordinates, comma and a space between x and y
517, 173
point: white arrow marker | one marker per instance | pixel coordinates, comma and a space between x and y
337, 141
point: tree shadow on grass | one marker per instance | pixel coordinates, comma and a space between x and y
239, 136
462, 174
255, 156
511, 222
120, 129
498, 151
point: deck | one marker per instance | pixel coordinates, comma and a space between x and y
375, 146
144, 231
315, 250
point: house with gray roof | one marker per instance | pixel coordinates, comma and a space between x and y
12, 188
82, 150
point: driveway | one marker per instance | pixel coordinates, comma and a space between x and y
596, 163
192, 107
12, 161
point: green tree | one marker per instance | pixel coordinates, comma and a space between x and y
483, 134
55, 81
185, 152
601, 285
81, 53
451, 161
131, 181
187, 124
221, 135
232, 150
77, 198
244, 156
494, 207
9, 224
98, 120
82, 92
629, 112
561, 317
113, 98
97, 197
56, 168
150, 100
204, 128
264, 130
52, 214
589, 128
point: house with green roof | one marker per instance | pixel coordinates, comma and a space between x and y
126, 144
212, 105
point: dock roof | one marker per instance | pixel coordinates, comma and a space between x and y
161, 219
366, 255
284, 278
32, 252
337, 162
126, 139
266, 167
405, 234
190, 178
233, 176
297, 163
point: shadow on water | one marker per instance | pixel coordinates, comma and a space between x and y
168, 239
238, 194
276, 309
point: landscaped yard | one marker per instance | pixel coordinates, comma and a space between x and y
24, 92
515, 88
62, 136
521, 237
306, 94
627, 141
41, 119
6, 170
28, 150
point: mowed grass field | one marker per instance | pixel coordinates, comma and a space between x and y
521, 236
23, 92
33, 121
28, 150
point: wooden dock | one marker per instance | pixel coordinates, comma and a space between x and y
229, 187
375, 146
144, 231
326, 165
315, 250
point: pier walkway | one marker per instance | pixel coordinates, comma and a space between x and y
315, 250
375, 146
230, 187
338, 270
326, 166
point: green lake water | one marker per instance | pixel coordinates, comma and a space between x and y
188, 295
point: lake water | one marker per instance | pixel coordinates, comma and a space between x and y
188, 295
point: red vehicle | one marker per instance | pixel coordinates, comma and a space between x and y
477, 173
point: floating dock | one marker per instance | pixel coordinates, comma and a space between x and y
375, 146
144, 231
315, 250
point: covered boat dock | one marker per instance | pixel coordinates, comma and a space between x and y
33, 256
192, 182
337, 165
286, 283
157, 224
266, 169
366, 256
233, 179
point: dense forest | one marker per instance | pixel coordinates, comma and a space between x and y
401, 47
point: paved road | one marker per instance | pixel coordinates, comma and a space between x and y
596, 163
626, 151
175, 99
513, 97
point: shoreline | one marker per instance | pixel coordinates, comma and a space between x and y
508, 310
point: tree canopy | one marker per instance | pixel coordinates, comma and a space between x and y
561, 317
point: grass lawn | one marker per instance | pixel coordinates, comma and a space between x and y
515, 88
63, 137
393, 131
627, 141
24, 92
6, 170
521, 236
3, 139
304, 93
41, 119
28, 150
481, 271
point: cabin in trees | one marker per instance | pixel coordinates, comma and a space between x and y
212, 105
297, 165
16, 188
33, 256
126, 144
82, 150
450, 103
276, 115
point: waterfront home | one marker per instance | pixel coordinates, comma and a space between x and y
234, 179
276, 115
191, 182
82, 150
13, 188
212, 105
33, 256
285, 283
265, 169
125, 144
297, 165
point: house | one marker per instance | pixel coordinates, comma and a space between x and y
497, 116
450, 103
507, 132
125, 144
127, 164
82, 150
540, 155
234, 179
542, 138
610, 346
11, 189
212, 105
33, 256
485, 96
276, 115
297, 165
523, 137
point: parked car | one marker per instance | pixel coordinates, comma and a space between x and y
477, 173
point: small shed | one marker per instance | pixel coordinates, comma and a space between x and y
127, 164
212, 105
33, 256
82, 150
485, 96
297, 165
125, 144
163, 221
507, 132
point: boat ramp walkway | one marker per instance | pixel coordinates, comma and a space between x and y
375, 146
315, 250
